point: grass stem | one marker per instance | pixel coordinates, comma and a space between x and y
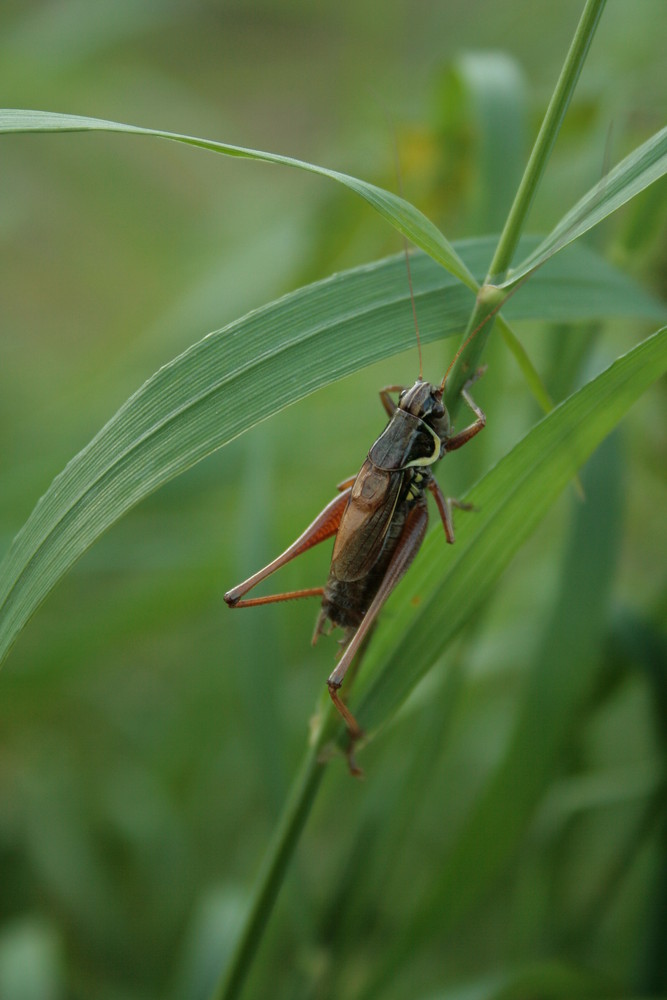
485, 304
278, 856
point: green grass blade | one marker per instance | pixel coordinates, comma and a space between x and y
433, 604
240, 375
526, 367
481, 108
407, 219
560, 679
446, 586
644, 166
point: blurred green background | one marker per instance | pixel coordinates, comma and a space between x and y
148, 736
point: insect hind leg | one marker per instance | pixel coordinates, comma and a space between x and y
324, 526
354, 730
290, 595
408, 545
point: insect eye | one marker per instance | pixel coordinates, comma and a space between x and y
402, 393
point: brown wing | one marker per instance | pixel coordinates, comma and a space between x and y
365, 521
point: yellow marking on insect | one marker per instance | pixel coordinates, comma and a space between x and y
429, 459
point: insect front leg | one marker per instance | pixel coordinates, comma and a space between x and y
324, 526
386, 400
458, 440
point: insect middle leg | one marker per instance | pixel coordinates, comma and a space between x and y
445, 505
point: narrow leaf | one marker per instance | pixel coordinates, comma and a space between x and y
480, 114
636, 172
559, 680
526, 366
399, 213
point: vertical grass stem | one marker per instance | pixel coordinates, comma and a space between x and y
470, 356
276, 861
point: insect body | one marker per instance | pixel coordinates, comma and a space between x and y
379, 520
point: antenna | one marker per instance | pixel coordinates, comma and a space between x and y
414, 307
406, 250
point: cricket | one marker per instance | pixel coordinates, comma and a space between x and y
379, 519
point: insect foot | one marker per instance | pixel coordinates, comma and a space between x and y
355, 732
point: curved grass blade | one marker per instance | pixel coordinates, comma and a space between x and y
238, 376
559, 681
407, 219
526, 482
644, 166
561, 677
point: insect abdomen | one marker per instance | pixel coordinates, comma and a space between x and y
345, 602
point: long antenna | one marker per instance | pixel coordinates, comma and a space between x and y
414, 307
406, 250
